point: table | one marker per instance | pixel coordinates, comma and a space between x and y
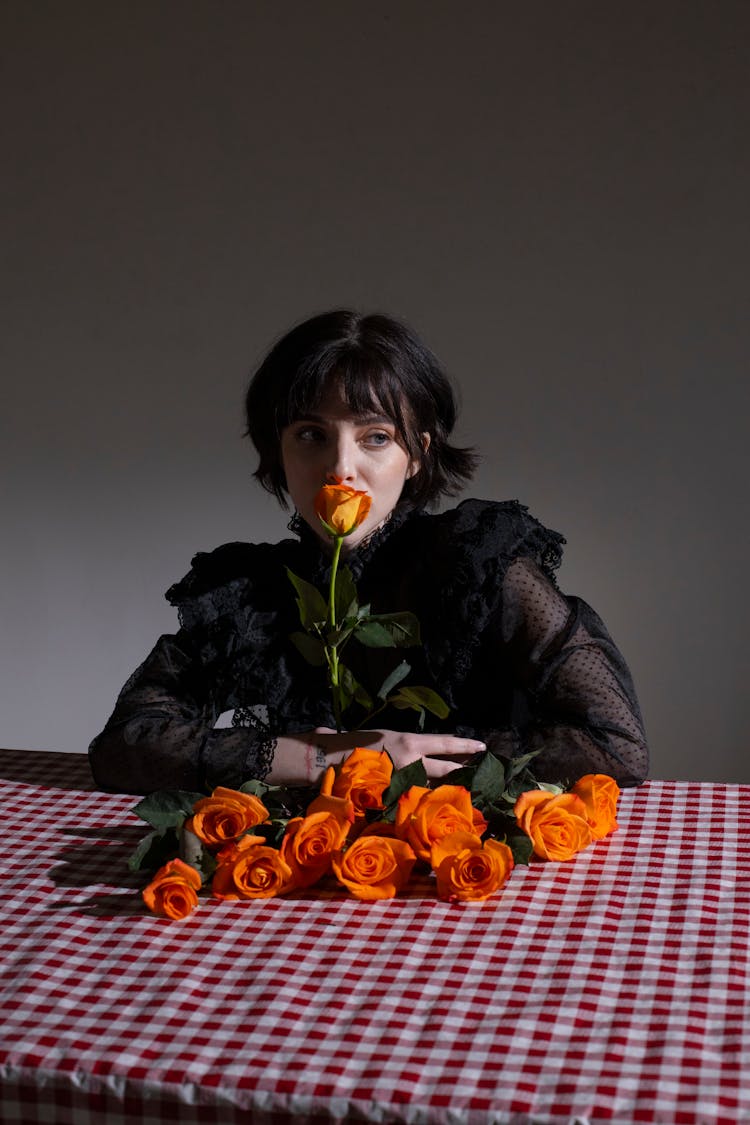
609, 989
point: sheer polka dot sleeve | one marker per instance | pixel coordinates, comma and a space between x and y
161, 733
578, 705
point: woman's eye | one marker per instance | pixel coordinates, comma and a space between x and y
310, 433
378, 437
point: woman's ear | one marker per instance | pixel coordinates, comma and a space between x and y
416, 464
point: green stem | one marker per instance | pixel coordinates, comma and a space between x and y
332, 589
332, 650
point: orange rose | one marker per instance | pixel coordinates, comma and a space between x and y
309, 843
556, 823
172, 892
599, 794
250, 869
407, 804
340, 807
232, 851
341, 509
363, 777
374, 867
425, 816
225, 815
467, 870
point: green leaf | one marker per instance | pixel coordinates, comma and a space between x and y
401, 781
257, 788
374, 635
489, 782
462, 775
335, 638
346, 594
521, 848
311, 603
401, 628
310, 647
517, 786
154, 850
396, 676
167, 808
419, 698
282, 802
516, 765
354, 688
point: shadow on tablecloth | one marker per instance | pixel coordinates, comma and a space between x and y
46, 767
96, 860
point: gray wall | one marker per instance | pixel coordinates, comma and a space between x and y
554, 194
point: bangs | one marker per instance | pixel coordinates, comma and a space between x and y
368, 387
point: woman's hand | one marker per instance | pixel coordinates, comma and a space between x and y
301, 759
441, 753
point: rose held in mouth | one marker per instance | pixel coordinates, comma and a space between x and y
342, 509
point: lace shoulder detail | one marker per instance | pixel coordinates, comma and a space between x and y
210, 569
229, 600
505, 530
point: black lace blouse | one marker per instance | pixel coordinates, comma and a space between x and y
521, 666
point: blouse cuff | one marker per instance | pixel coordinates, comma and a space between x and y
233, 755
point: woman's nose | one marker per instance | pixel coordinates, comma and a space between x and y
341, 468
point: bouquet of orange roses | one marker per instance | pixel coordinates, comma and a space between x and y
368, 828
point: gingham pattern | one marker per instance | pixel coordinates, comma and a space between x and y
608, 989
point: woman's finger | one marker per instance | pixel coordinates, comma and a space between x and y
454, 748
439, 767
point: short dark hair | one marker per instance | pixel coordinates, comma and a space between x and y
380, 364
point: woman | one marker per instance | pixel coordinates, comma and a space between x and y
359, 400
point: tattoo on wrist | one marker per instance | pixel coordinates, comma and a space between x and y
315, 760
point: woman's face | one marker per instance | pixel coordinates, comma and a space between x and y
332, 445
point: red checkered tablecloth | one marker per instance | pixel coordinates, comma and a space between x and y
609, 989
